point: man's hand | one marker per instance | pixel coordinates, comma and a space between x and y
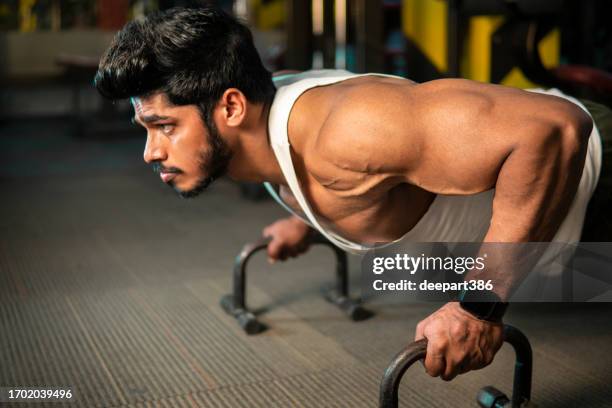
290, 238
458, 342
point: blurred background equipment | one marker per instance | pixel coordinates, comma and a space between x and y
49, 48
548, 43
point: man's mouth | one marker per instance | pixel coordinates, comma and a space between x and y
167, 176
165, 173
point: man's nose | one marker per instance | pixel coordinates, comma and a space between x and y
154, 150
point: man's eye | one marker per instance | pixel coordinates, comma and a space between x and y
166, 128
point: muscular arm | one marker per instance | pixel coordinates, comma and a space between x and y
530, 147
462, 137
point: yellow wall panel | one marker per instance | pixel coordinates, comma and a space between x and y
424, 23
549, 48
517, 79
477, 52
270, 15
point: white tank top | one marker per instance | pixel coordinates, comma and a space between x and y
449, 218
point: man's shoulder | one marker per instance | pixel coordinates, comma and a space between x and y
363, 124
362, 133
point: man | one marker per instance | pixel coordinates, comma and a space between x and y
363, 159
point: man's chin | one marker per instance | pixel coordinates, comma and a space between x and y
195, 191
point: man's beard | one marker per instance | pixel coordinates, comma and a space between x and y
213, 163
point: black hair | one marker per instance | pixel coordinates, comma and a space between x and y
191, 54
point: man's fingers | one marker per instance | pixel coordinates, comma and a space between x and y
435, 363
418, 335
283, 253
457, 343
280, 250
453, 368
274, 250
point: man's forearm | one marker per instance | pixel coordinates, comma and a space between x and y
534, 191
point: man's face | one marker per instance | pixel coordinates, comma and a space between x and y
187, 154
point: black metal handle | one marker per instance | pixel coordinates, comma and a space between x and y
239, 290
389, 387
521, 393
250, 249
523, 366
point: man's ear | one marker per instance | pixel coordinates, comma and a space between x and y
233, 106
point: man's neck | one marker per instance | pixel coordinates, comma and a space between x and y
253, 158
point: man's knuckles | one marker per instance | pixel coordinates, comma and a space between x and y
462, 362
458, 331
436, 333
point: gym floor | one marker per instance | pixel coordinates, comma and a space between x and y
110, 284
